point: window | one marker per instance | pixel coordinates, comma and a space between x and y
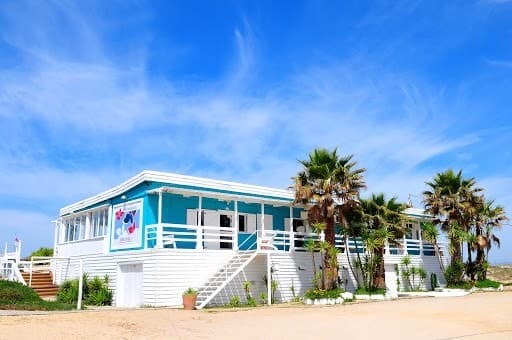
99, 222
72, 229
242, 226
78, 228
408, 232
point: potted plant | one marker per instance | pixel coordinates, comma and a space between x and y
189, 299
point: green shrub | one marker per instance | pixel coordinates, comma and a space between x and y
375, 291
14, 295
251, 302
263, 298
234, 302
95, 291
318, 293
487, 284
453, 273
433, 281
41, 252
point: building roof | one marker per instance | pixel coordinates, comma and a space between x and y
181, 180
416, 212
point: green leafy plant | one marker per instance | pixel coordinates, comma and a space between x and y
433, 281
235, 302
374, 291
454, 272
487, 284
95, 291
190, 291
263, 298
16, 296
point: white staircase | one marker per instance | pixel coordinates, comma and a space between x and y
220, 279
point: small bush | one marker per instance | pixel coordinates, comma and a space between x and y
453, 273
14, 295
487, 284
235, 302
251, 302
375, 291
95, 291
323, 294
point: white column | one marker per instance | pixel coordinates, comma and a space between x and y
159, 206
199, 234
405, 245
159, 228
88, 232
262, 217
110, 227
235, 232
269, 280
292, 235
386, 251
421, 241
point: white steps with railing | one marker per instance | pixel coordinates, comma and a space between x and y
225, 274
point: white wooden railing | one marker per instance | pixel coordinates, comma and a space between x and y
169, 234
165, 235
9, 271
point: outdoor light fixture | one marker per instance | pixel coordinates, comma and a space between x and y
124, 197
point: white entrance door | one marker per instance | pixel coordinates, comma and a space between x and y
130, 289
211, 219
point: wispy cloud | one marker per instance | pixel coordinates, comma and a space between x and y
78, 124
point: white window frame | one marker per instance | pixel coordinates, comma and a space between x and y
86, 225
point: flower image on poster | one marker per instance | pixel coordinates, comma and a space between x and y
127, 226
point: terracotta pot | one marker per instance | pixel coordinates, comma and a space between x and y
189, 301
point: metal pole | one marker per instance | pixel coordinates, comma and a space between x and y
269, 280
80, 286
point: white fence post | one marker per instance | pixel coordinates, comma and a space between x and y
80, 286
159, 236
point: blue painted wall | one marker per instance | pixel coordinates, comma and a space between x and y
175, 207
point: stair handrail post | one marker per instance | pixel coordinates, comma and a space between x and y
31, 268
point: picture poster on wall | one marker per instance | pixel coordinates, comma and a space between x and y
127, 226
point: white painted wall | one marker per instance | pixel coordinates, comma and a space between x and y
84, 247
169, 272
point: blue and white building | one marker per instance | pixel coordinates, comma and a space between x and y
157, 234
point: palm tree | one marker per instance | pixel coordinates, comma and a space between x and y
328, 183
385, 217
455, 199
431, 234
490, 218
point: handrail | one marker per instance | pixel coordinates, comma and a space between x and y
248, 238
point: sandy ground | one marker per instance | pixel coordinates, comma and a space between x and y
477, 316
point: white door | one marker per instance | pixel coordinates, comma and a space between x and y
211, 219
130, 285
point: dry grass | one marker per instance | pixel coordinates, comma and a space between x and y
501, 274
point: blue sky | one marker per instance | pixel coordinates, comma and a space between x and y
93, 92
